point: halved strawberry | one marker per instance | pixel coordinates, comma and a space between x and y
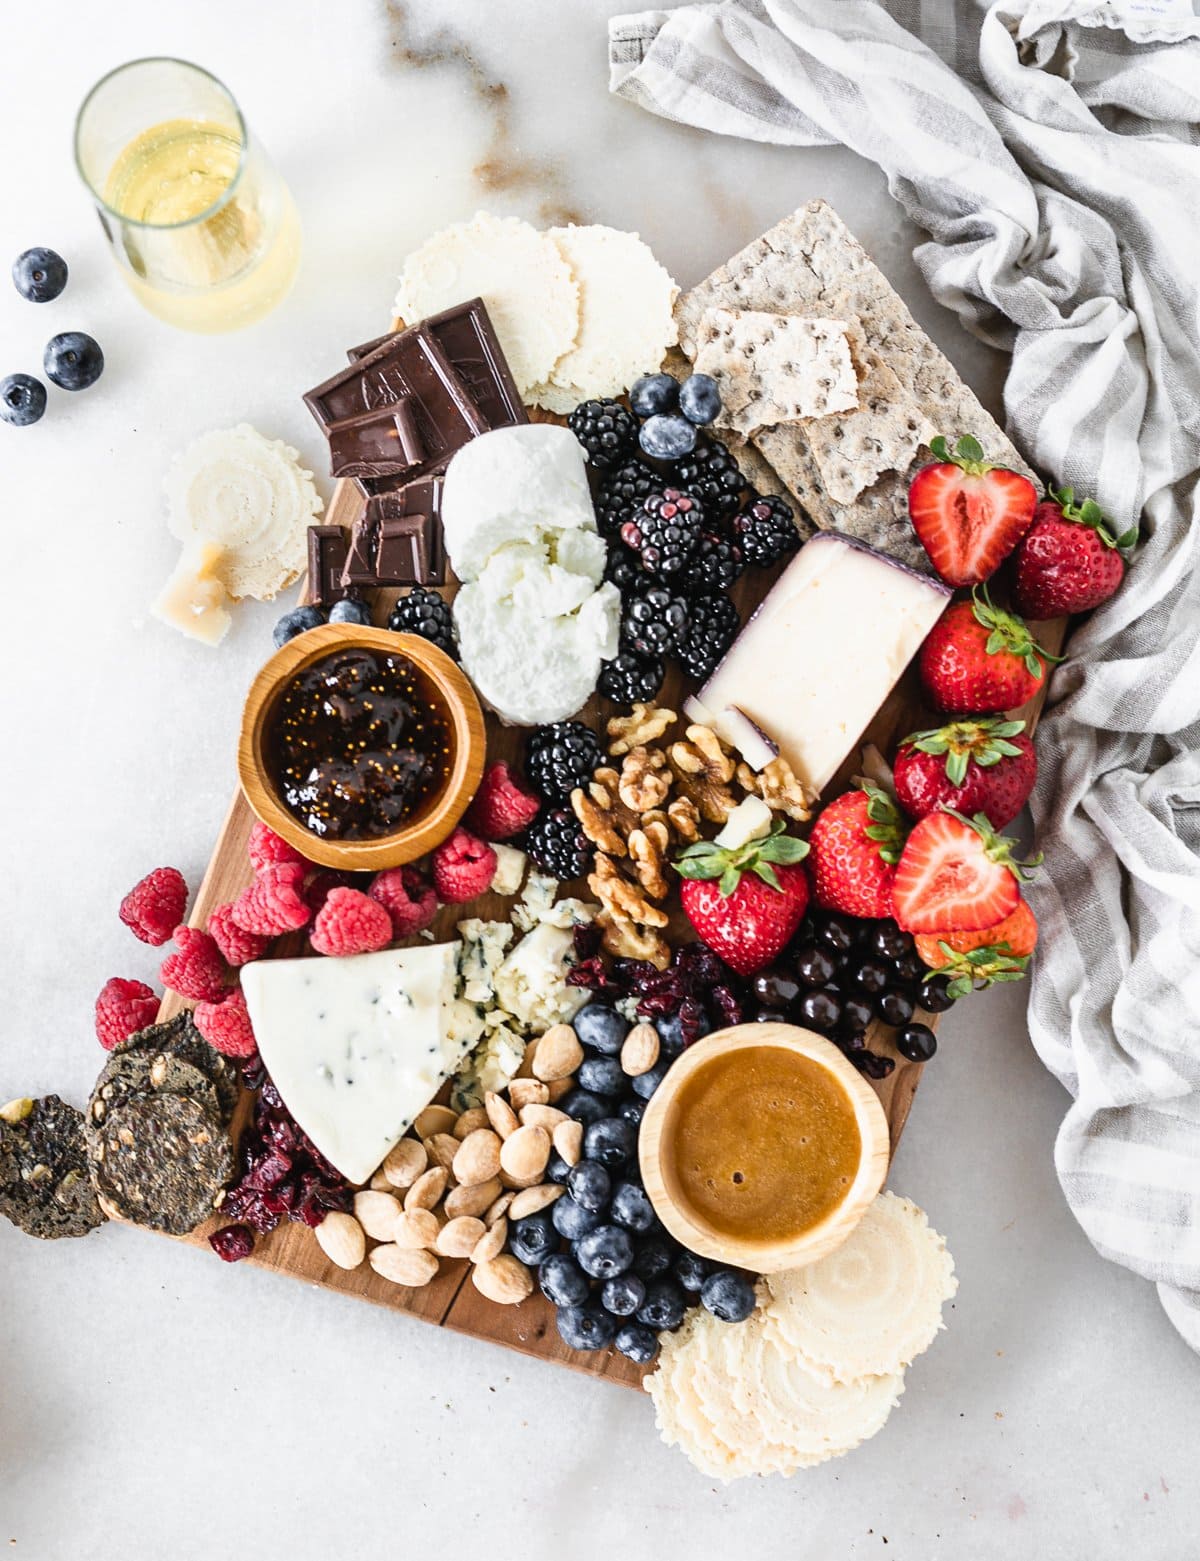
968, 513
956, 874
970, 961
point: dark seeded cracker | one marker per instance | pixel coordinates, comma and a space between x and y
45, 1189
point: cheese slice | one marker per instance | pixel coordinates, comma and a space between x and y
194, 600
822, 653
357, 1047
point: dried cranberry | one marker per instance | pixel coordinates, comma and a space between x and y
586, 940
727, 1004
591, 974
269, 1097
233, 1243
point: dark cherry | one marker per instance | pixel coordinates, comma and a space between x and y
917, 1042
888, 941
934, 998
873, 976
821, 1010
894, 1007
838, 933
857, 1014
776, 988
814, 965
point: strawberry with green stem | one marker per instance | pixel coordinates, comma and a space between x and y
1070, 559
968, 513
956, 874
969, 961
979, 660
981, 764
854, 845
745, 902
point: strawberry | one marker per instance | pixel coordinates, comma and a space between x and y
968, 513
974, 960
974, 766
1069, 560
854, 846
745, 902
979, 659
955, 874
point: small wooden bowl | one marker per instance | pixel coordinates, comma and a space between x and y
444, 685
656, 1140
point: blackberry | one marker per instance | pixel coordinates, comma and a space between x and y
653, 621
664, 532
623, 567
556, 842
630, 679
605, 430
766, 530
424, 612
622, 493
717, 564
711, 475
712, 624
562, 756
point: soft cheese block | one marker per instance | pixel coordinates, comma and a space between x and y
357, 1047
822, 653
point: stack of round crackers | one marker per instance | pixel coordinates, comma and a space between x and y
820, 1364
579, 311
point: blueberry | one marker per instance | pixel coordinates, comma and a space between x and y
563, 1282
728, 1295
296, 622
653, 1256
699, 398
632, 1111
632, 1208
691, 1270
604, 1075
586, 1327
663, 1307
22, 399
654, 393
571, 1220
584, 1106
73, 360
611, 1141
646, 1083
534, 1237
590, 1185
600, 1028
350, 611
39, 275
605, 1252
638, 1343
557, 1169
670, 1033
667, 437
917, 1042
622, 1294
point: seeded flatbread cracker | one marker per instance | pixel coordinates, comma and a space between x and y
776, 368
161, 1161
44, 1185
180, 1038
873, 1305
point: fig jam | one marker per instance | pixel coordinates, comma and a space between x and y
355, 746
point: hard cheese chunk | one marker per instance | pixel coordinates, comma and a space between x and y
822, 653
357, 1047
194, 599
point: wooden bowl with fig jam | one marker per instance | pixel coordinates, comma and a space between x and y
763, 1147
360, 747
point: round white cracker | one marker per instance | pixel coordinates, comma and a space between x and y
722, 1351
250, 496
676, 1411
873, 1305
626, 315
520, 274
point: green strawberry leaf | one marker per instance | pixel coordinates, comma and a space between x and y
970, 449
767, 873
940, 447
706, 860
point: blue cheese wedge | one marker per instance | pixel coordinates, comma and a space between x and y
357, 1047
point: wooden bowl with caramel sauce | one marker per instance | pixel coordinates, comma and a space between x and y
763, 1147
374, 804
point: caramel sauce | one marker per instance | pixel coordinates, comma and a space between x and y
356, 745
764, 1144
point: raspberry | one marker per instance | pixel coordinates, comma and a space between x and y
154, 907
408, 899
237, 946
226, 1025
501, 807
122, 1008
197, 971
265, 848
351, 922
273, 903
316, 890
463, 868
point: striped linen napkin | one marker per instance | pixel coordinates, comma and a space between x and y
1051, 150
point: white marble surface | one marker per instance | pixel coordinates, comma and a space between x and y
156, 1404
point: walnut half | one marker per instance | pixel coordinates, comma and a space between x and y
703, 771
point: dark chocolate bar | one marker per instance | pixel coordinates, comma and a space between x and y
397, 540
466, 336
366, 348
382, 443
326, 562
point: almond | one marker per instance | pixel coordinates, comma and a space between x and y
416, 1228
404, 1265
491, 1243
557, 1054
639, 1051
377, 1213
504, 1279
530, 1199
478, 1158
523, 1157
426, 1191
435, 1119
442, 1148
527, 1092
341, 1238
500, 1114
459, 1237
469, 1121
472, 1200
497, 1210
543, 1116
405, 1162
557, 1088
568, 1140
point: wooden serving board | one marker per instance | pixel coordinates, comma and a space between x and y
451, 1300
